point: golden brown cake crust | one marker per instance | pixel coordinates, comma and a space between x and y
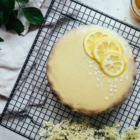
81, 110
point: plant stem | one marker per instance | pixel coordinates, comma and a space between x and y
19, 5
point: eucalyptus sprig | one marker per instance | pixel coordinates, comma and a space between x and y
8, 15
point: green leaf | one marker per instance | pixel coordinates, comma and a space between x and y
18, 26
0, 8
1, 18
1, 40
23, 1
14, 24
33, 15
16, 12
7, 6
7, 19
8, 24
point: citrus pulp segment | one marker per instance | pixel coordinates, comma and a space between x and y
91, 38
104, 45
113, 63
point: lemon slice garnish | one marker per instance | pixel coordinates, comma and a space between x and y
113, 63
91, 38
104, 45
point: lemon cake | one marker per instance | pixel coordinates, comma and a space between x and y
91, 69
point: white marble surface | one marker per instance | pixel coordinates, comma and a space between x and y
118, 9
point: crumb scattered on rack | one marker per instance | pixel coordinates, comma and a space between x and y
117, 8
125, 18
133, 33
63, 30
57, 104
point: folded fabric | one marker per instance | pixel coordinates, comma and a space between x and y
12, 56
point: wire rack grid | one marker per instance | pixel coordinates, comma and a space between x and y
32, 102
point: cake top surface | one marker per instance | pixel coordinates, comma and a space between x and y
79, 80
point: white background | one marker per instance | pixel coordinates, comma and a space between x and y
118, 9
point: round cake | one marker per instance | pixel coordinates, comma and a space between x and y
79, 79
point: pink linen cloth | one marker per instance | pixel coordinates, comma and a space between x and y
12, 56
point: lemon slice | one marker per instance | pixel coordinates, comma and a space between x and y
91, 38
113, 63
104, 45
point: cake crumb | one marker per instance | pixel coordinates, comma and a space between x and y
133, 33
115, 90
111, 85
57, 104
82, 66
89, 73
121, 80
95, 73
111, 95
115, 86
98, 79
126, 77
125, 18
108, 81
99, 72
95, 68
97, 85
111, 89
90, 66
116, 80
83, 56
106, 98
117, 8
90, 62
121, 76
101, 84
103, 75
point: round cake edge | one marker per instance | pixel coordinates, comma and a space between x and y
80, 110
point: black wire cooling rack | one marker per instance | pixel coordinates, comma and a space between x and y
32, 102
